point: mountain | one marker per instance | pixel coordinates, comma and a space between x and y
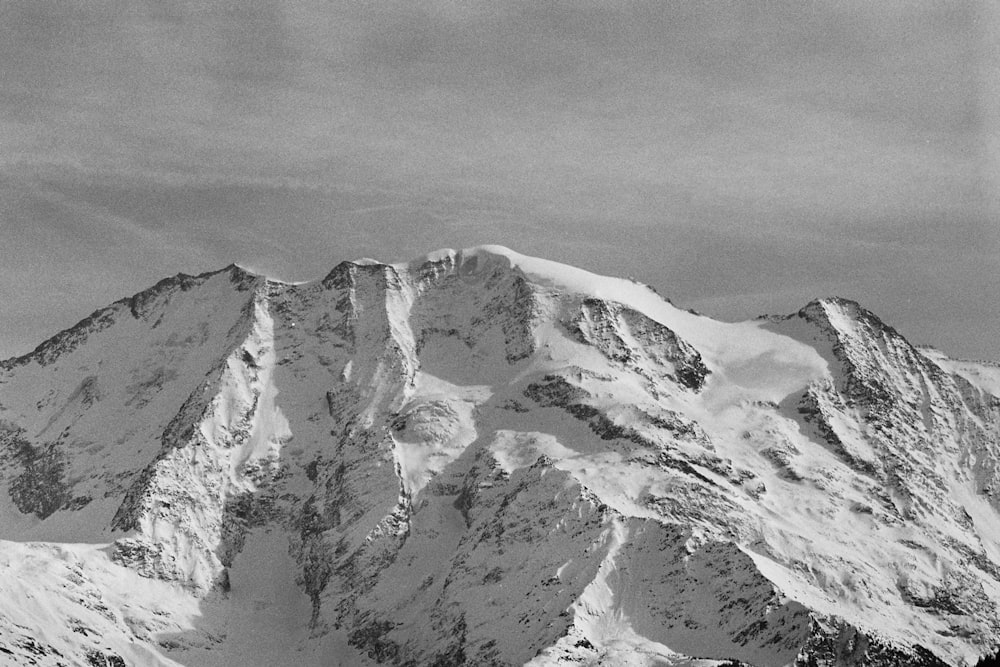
483, 458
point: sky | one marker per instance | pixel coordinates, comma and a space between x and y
741, 157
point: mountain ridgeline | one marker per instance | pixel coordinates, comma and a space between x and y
483, 458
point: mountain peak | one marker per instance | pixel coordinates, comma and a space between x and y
826, 306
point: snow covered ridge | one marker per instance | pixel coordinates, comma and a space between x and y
483, 458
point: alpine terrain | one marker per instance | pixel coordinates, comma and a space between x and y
482, 458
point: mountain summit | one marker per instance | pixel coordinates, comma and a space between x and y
483, 458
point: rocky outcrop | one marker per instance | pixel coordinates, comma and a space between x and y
643, 345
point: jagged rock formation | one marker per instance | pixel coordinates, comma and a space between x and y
487, 459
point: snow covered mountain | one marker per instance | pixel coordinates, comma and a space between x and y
482, 458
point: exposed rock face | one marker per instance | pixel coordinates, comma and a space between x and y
640, 344
486, 459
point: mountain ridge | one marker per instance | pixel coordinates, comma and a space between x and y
443, 421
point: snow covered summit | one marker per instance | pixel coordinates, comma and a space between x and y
479, 457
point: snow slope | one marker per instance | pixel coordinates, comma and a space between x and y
479, 457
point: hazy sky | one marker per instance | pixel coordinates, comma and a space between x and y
742, 157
